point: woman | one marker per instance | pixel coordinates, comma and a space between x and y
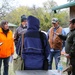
6, 46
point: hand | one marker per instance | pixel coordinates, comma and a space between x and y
67, 55
14, 39
63, 53
1, 43
56, 33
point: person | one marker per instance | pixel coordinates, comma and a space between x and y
33, 52
70, 44
55, 42
6, 46
20, 30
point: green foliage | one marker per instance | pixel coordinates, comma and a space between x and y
63, 17
5, 8
15, 15
45, 15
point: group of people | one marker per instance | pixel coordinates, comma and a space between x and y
37, 46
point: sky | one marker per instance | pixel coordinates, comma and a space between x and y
38, 3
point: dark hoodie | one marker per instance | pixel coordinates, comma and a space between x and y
33, 23
32, 53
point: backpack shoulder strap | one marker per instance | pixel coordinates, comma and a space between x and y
22, 45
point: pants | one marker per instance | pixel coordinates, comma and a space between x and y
67, 64
5, 63
56, 54
73, 69
72, 62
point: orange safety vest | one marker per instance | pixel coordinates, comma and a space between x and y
7, 48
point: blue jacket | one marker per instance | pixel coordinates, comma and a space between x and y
32, 53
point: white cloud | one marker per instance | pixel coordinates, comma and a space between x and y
37, 2
61, 2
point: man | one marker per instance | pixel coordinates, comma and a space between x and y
70, 44
36, 47
55, 42
20, 30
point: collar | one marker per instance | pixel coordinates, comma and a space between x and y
72, 29
56, 27
23, 27
1, 30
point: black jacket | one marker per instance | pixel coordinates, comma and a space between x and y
70, 43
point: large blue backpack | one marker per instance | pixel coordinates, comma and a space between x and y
35, 59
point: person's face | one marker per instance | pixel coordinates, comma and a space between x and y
71, 26
6, 26
55, 24
24, 22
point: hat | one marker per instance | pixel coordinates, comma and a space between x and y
54, 20
72, 20
23, 18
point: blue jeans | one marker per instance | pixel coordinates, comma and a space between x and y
56, 54
5, 63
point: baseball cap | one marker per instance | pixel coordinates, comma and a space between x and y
54, 20
72, 20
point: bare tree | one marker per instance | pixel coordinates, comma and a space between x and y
5, 8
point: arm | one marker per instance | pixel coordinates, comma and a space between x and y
12, 49
48, 33
72, 51
61, 36
47, 47
16, 35
45, 43
12, 46
63, 33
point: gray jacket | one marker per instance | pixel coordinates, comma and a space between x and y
20, 30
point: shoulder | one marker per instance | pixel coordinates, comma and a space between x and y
60, 27
73, 33
10, 32
43, 34
18, 27
51, 28
63, 32
1, 30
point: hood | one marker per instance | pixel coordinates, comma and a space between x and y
33, 23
